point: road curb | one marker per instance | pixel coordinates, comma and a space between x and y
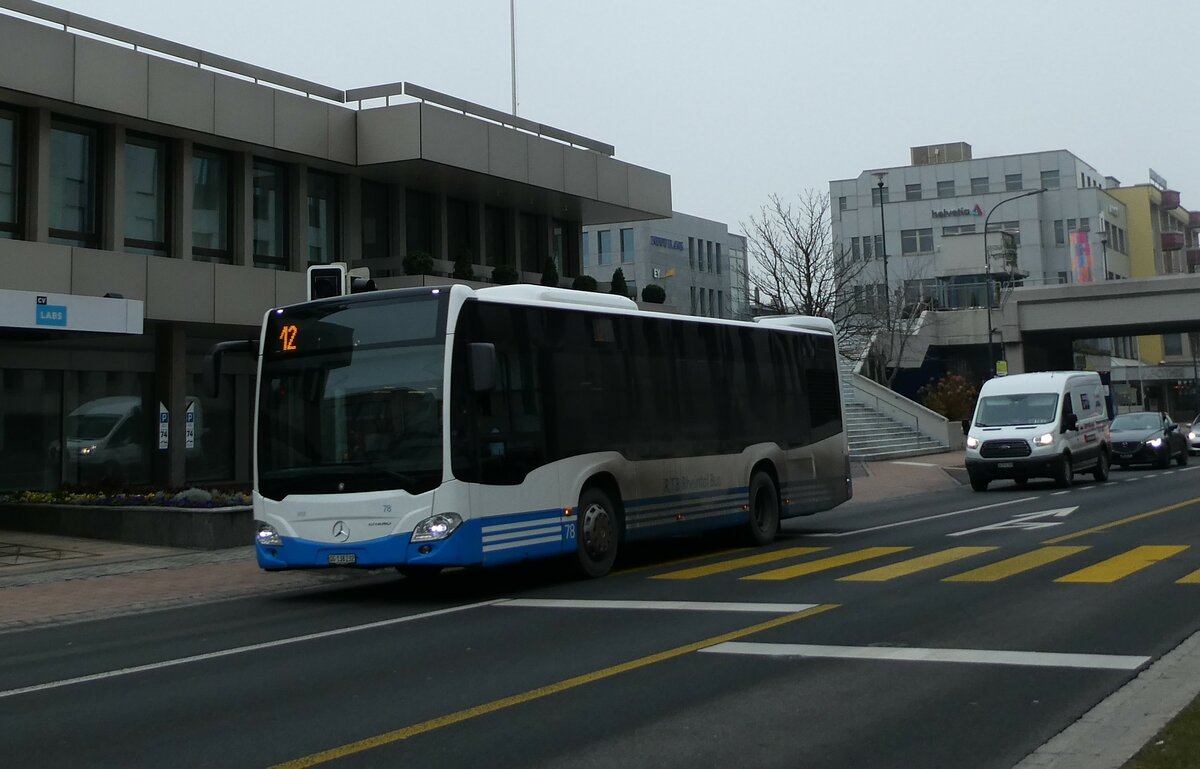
1114, 731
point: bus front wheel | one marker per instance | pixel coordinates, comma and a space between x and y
598, 533
764, 510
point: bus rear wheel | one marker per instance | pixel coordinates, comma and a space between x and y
763, 526
598, 533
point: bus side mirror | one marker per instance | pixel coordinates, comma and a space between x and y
212, 362
483, 366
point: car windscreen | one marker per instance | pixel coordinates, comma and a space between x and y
91, 427
1017, 409
1137, 422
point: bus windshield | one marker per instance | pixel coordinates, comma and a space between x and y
350, 399
1017, 409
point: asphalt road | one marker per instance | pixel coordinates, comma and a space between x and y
953, 629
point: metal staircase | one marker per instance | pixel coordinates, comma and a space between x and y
873, 435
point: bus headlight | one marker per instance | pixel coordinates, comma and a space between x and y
972, 442
267, 535
436, 527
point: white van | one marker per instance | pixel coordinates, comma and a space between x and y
1049, 424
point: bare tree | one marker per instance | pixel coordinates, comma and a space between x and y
796, 267
893, 327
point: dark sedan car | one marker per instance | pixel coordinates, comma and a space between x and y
1147, 437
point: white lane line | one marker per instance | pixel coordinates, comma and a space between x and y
1151, 475
1060, 493
1111, 483
1167, 472
919, 520
552, 603
241, 650
1086, 488
913, 464
903, 654
1130, 480
1186, 469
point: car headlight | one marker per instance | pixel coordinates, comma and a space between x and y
1192, 435
1154, 443
972, 442
1045, 439
436, 527
87, 450
267, 535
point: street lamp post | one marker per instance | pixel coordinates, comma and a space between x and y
987, 270
880, 175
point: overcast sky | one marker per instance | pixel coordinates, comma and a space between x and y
738, 99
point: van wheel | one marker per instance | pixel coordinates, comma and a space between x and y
598, 533
1066, 472
763, 526
1101, 471
979, 483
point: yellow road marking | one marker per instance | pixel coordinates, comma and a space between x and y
1121, 522
739, 563
914, 565
832, 562
1120, 566
1010, 566
677, 561
466, 714
1191, 579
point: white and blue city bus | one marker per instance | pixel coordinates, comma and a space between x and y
424, 428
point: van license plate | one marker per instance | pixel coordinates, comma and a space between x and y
1004, 465
342, 559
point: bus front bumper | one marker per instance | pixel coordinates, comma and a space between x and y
462, 548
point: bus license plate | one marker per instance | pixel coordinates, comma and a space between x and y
342, 559
1005, 465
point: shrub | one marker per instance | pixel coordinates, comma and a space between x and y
549, 273
654, 294
584, 283
463, 269
505, 275
418, 263
951, 396
618, 283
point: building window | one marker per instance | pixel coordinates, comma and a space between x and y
945, 189
210, 205
866, 248
720, 304
712, 305
74, 167
1013, 228
693, 291
703, 310
627, 245
709, 248
717, 258
980, 185
1084, 224
146, 189
1050, 179
958, 229
878, 246
912, 192
585, 246
323, 229
1172, 344
497, 238
1060, 238
376, 221
270, 215
916, 241
9, 174
1013, 183
855, 251
604, 242
879, 194
842, 203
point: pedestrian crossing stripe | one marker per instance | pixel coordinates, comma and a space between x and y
1016, 565
823, 564
1119, 566
914, 565
739, 563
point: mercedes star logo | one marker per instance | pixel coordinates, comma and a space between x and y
340, 532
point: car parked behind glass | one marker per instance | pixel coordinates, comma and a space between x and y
1148, 437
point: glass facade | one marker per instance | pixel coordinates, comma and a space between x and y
604, 243
270, 215
376, 221
626, 246
211, 204
323, 230
30, 420
9, 174
73, 183
146, 189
